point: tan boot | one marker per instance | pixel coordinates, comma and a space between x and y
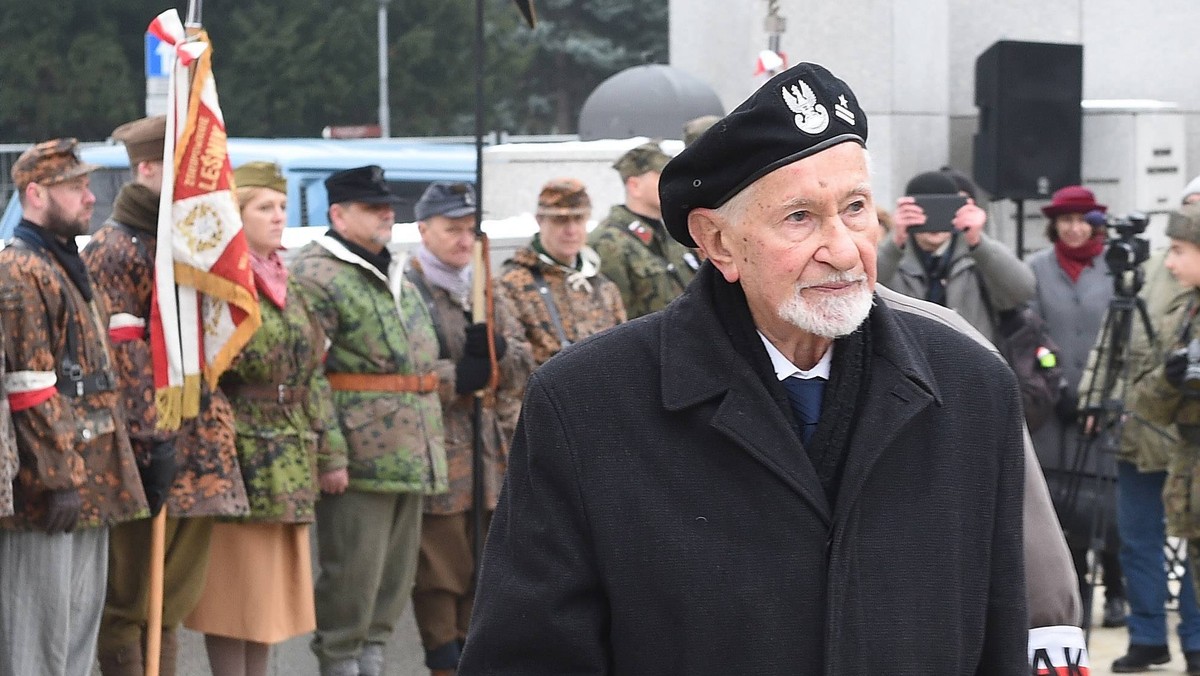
124, 661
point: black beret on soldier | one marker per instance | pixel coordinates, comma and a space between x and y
797, 113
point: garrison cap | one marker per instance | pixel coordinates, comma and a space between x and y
452, 199
143, 138
1185, 224
260, 175
642, 159
563, 197
50, 162
361, 184
797, 113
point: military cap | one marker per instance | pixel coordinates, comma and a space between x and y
797, 113
563, 197
361, 184
644, 158
143, 138
692, 129
50, 162
260, 175
452, 199
1185, 224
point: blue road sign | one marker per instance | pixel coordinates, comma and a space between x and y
158, 57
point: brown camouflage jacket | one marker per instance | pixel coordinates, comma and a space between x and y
458, 411
278, 442
587, 302
8, 446
63, 441
376, 324
649, 267
120, 259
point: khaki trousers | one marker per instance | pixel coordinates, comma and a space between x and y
184, 573
445, 575
367, 551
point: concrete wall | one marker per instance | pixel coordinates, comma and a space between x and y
912, 63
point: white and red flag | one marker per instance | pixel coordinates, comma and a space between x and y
205, 305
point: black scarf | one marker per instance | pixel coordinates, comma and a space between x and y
65, 252
848, 382
936, 269
382, 260
137, 206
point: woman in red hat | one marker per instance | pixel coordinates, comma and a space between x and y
1074, 288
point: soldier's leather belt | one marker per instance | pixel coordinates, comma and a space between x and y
380, 382
73, 382
279, 394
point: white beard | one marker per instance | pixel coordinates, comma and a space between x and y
834, 316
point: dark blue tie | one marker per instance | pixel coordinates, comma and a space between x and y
805, 396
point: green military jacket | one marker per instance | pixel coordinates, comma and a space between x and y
376, 324
1161, 404
278, 442
647, 265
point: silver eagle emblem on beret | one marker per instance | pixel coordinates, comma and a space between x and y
811, 117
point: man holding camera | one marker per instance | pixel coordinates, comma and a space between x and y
949, 260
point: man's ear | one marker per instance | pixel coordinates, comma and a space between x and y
710, 232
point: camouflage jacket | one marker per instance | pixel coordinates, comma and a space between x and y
8, 445
208, 482
1160, 403
376, 324
64, 441
647, 265
501, 406
1145, 443
278, 443
586, 300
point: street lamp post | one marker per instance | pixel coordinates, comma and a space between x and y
385, 112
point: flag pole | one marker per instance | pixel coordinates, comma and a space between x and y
158, 524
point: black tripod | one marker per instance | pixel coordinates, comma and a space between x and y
1091, 474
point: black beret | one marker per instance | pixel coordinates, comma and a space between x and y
797, 113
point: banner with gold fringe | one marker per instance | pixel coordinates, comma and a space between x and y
205, 305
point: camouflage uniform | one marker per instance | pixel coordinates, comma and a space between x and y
647, 265
8, 446
278, 443
587, 301
443, 592
120, 258
395, 445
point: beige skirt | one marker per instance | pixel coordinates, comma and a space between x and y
260, 584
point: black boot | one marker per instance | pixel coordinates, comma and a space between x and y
1140, 657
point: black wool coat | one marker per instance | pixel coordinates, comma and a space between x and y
660, 516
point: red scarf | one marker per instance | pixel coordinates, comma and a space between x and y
270, 276
1073, 259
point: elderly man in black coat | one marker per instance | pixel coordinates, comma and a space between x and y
773, 475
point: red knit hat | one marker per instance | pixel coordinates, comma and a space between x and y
1073, 199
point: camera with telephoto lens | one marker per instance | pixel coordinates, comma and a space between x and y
1126, 250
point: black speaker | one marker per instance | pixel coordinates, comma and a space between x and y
1030, 122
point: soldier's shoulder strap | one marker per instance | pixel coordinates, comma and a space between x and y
418, 280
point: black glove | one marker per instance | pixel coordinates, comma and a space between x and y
62, 510
159, 475
471, 373
477, 344
1175, 367
1067, 408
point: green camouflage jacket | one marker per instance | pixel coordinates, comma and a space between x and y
586, 300
501, 406
1161, 404
120, 260
647, 265
376, 325
8, 445
63, 442
1145, 443
278, 443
